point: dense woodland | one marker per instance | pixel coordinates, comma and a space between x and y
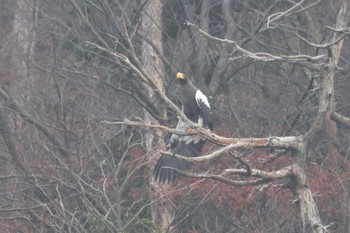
88, 101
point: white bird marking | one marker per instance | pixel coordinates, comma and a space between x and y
202, 98
200, 121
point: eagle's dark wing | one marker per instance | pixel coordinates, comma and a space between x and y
183, 145
163, 172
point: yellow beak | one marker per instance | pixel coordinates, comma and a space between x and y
180, 75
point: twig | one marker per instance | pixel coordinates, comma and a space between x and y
223, 179
345, 33
260, 56
279, 15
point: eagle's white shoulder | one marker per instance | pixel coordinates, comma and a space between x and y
200, 97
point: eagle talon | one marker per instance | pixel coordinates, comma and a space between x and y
189, 130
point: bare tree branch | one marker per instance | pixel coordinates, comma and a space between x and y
344, 32
41, 127
223, 179
340, 119
261, 56
291, 142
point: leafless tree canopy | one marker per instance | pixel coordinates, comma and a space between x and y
88, 101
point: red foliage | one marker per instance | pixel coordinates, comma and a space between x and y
240, 197
330, 184
329, 181
136, 152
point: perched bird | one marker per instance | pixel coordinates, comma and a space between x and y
195, 104
196, 107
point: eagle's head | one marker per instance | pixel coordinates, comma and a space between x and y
180, 76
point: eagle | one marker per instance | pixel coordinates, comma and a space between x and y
195, 104
196, 107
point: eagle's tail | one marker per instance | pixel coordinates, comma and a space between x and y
163, 172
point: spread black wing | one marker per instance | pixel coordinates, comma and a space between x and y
182, 145
163, 172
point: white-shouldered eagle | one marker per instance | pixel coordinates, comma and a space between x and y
196, 107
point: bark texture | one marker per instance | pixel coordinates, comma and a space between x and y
323, 128
162, 213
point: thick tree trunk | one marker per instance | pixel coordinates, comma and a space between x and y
23, 42
162, 213
323, 127
19, 38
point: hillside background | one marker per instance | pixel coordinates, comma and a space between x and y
64, 166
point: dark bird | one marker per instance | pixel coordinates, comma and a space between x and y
195, 104
196, 107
